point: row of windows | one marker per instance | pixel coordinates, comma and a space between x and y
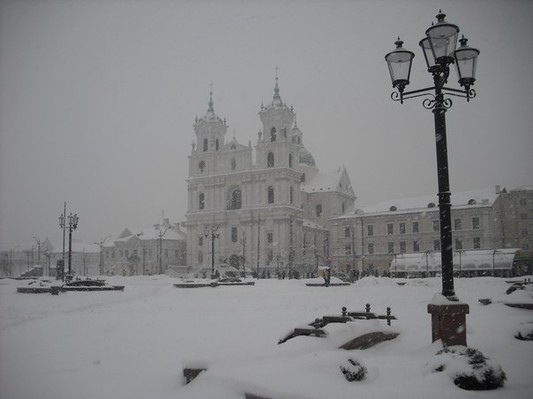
147, 253
415, 227
235, 198
414, 246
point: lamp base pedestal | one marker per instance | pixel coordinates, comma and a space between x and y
448, 323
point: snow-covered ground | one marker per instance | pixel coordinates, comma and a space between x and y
135, 343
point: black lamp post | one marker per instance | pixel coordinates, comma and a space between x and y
439, 48
213, 232
71, 221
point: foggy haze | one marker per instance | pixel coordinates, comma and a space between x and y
98, 98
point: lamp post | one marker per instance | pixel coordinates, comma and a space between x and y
70, 222
213, 232
439, 48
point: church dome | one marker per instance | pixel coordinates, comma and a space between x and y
306, 158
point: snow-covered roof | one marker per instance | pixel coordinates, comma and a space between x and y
499, 259
472, 198
324, 181
312, 225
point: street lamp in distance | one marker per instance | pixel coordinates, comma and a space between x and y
213, 232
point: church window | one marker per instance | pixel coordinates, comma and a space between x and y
270, 238
201, 166
343, 207
290, 160
284, 132
318, 210
205, 145
270, 160
200, 241
291, 194
302, 178
270, 194
200, 257
201, 201
233, 164
273, 134
234, 234
235, 198
217, 145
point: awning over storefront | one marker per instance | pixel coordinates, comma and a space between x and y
489, 259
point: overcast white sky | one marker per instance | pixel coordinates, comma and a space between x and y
98, 98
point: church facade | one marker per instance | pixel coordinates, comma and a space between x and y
262, 213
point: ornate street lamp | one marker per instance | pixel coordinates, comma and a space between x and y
70, 222
439, 48
213, 232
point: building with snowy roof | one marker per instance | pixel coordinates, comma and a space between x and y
375, 238
158, 249
271, 213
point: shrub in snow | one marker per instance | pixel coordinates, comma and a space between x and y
525, 333
470, 369
354, 370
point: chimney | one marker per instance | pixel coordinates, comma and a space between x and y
498, 191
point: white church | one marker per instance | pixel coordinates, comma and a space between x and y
264, 216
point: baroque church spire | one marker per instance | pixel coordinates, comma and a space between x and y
277, 98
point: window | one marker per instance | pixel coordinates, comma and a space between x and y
201, 201
475, 223
343, 208
216, 145
390, 229
270, 238
416, 227
458, 224
523, 216
273, 134
234, 234
270, 160
403, 247
201, 166
436, 245
200, 257
319, 210
302, 178
458, 244
235, 198
291, 195
127, 253
347, 249
370, 230
477, 242
205, 145
436, 225
370, 249
200, 241
523, 201
416, 246
524, 232
347, 232
270, 194
390, 247
233, 164
402, 228
290, 160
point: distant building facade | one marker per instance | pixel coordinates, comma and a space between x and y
369, 239
270, 214
148, 251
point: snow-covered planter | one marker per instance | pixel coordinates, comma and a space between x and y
469, 368
354, 370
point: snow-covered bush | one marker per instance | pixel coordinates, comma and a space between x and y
354, 370
469, 368
525, 333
